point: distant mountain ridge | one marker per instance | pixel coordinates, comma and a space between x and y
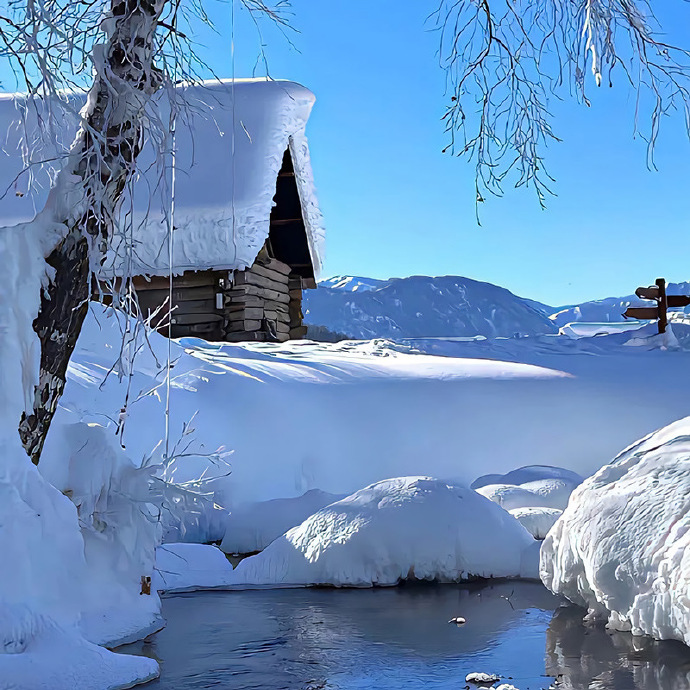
444, 306
422, 306
610, 309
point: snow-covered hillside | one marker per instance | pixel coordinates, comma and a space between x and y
449, 306
610, 309
421, 306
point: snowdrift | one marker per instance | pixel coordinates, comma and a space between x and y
622, 547
410, 528
254, 527
52, 603
391, 410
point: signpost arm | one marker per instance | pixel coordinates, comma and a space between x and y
663, 304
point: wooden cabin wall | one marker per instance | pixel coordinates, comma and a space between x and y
264, 302
195, 312
261, 303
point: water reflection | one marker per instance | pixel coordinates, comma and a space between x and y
398, 638
591, 658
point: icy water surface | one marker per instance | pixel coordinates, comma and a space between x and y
395, 638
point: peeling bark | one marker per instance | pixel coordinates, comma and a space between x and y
107, 149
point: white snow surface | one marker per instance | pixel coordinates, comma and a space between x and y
542, 493
391, 410
253, 527
51, 592
536, 520
38, 654
622, 547
190, 567
222, 202
529, 473
409, 528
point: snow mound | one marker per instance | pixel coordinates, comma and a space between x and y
253, 527
622, 547
38, 654
537, 521
189, 567
543, 493
529, 473
409, 528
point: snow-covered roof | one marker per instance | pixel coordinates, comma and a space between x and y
230, 142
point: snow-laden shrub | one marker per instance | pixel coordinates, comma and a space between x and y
191, 516
622, 546
410, 528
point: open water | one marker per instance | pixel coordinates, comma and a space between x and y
399, 638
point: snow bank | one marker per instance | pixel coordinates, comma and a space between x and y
543, 493
393, 411
529, 473
622, 547
119, 526
253, 527
38, 654
189, 567
46, 581
410, 528
537, 521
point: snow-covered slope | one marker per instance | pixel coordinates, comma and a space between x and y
622, 547
610, 309
393, 411
420, 306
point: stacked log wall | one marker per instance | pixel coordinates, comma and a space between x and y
261, 303
257, 302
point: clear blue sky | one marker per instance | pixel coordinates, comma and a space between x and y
394, 205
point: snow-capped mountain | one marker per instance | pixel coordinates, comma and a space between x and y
610, 309
422, 306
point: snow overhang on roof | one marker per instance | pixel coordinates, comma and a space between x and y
230, 141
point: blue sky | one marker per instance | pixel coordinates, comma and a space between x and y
395, 205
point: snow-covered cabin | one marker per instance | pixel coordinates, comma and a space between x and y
247, 231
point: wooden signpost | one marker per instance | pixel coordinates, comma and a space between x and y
664, 302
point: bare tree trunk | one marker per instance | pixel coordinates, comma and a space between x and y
108, 146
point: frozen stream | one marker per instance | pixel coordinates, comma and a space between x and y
399, 638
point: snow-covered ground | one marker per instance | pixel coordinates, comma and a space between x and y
622, 547
337, 417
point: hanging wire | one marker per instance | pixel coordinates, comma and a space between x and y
171, 228
232, 136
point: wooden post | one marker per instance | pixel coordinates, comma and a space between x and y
663, 304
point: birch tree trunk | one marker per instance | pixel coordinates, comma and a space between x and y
104, 154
